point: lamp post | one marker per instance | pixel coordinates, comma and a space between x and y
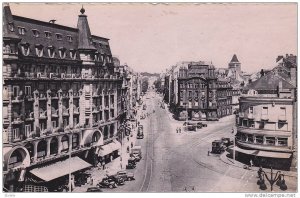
279, 179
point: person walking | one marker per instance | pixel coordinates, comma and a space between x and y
177, 130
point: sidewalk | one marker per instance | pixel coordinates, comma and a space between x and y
238, 164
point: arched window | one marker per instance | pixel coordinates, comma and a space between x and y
54, 146
96, 136
42, 149
25, 49
15, 159
30, 149
75, 140
51, 51
65, 143
39, 50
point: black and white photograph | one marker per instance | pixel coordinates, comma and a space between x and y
149, 98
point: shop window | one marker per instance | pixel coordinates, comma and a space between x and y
16, 133
259, 139
65, 143
282, 141
270, 141
250, 138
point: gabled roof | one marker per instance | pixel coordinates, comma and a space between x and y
269, 82
234, 59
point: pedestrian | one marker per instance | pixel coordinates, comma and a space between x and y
251, 163
177, 130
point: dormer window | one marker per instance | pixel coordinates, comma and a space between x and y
36, 33
51, 51
11, 26
39, 50
58, 36
21, 30
62, 52
69, 38
25, 49
48, 34
73, 54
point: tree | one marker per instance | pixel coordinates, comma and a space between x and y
158, 85
145, 84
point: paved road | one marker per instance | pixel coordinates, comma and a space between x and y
178, 162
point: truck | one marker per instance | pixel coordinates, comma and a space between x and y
136, 152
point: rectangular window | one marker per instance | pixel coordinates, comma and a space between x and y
259, 139
196, 93
27, 130
42, 126
16, 90
16, 133
250, 109
58, 36
250, 139
21, 30
27, 90
270, 141
190, 93
264, 111
54, 124
282, 141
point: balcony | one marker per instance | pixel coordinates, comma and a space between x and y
76, 95
29, 97
17, 99
54, 113
76, 110
17, 120
54, 96
282, 118
41, 75
65, 95
42, 96
43, 114
68, 76
66, 112
264, 117
95, 109
29, 116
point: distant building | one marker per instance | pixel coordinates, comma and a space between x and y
266, 129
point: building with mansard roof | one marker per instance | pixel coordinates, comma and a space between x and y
61, 97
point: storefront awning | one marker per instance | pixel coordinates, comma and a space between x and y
274, 154
59, 169
248, 152
109, 148
104, 150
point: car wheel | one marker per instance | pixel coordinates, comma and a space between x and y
110, 186
129, 178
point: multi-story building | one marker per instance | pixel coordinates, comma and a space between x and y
224, 97
196, 93
266, 130
61, 97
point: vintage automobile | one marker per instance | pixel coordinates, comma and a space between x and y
107, 183
218, 146
94, 189
131, 163
117, 179
136, 153
127, 176
140, 133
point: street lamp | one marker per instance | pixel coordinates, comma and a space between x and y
279, 179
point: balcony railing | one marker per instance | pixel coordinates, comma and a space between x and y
29, 116
54, 95
66, 112
29, 97
42, 96
17, 99
54, 113
76, 110
17, 120
43, 114
76, 94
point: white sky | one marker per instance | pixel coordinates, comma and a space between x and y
154, 37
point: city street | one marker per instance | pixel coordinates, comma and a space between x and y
179, 162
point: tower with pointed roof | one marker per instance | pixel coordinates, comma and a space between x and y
234, 67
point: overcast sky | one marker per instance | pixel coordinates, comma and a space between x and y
154, 37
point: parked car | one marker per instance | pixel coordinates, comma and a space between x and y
94, 189
140, 134
136, 152
218, 146
127, 176
117, 179
131, 163
107, 183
